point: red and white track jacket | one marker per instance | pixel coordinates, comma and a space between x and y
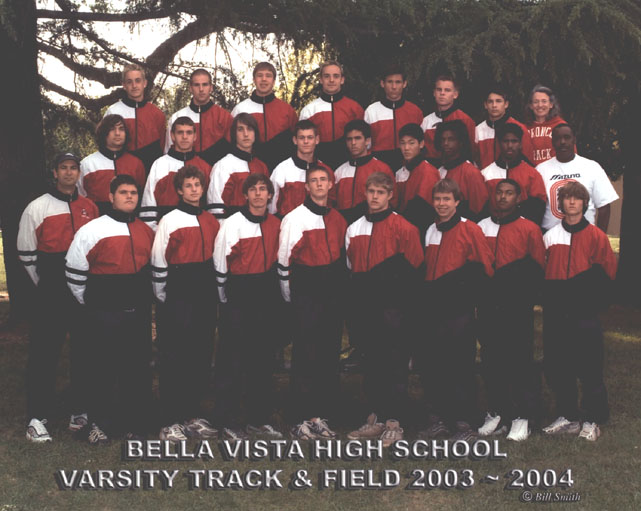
247, 245
351, 177
472, 185
212, 130
414, 183
311, 244
146, 125
330, 113
107, 259
488, 146
288, 179
225, 192
580, 267
519, 256
182, 250
533, 194
160, 196
386, 118
99, 168
429, 122
541, 137
47, 227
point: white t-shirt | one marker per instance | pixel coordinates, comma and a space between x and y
587, 172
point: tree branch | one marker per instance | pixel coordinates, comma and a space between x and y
94, 105
101, 16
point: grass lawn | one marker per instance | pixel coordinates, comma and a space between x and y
605, 473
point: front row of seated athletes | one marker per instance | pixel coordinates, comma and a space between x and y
404, 293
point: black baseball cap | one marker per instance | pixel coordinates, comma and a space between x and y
64, 157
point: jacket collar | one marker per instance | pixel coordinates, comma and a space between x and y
332, 98
188, 208
393, 104
133, 104
498, 123
302, 164
572, 229
121, 216
454, 163
242, 155
112, 155
504, 164
200, 109
363, 160
446, 226
253, 218
315, 208
377, 217
64, 197
262, 100
181, 156
506, 219
415, 162
445, 113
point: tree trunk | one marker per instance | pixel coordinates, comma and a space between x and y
21, 138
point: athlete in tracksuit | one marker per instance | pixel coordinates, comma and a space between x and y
383, 253
580, 266
183, 279
107, 272
47, 227
506, 315
312, 272
111, 159
458, 264
245, 257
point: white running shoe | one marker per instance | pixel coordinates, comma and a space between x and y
321, 429
36, 431
174, 433
392, 433
519, 430
562, 425
77, 422
491, 423
590, 431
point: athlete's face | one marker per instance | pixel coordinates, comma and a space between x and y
377, 198
191, 191
331, 79
451, 145
67, 174
506, 198
245, 137
125, 199
134, 85
444, 94
201, 88
496, 106
183, 137
445, 205
393, 86
306, 142
572, 207
540, 106
258, 197
410, 147
264, 82
563, 141
318, 186
357, 144
115, 139
510, 147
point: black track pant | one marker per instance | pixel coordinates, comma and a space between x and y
55, 314
507, 337
573, 348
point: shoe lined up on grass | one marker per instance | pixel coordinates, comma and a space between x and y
368, 431
562, 426
321, 429
303, 431
392, 433
96, 436
37, 432
200, 429
491, 425
437, 429
464, 432
234, 435
77, 422
174, 433
519, 431
590, 431
264, 432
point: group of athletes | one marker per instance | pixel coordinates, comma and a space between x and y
419, 235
